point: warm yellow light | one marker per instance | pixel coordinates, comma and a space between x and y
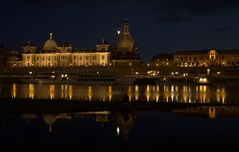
117, 131
130, 93
89, 93
148, 94
212, 113
14, 90
52, 91
70, 92
110, 93
203, 80
31, 91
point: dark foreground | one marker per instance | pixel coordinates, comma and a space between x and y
40, 125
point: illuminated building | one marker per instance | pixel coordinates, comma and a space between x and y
203, 58
52, 55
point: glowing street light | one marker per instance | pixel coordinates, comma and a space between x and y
118, 32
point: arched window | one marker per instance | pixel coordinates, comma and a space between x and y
212, 55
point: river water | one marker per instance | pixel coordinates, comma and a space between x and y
191, 129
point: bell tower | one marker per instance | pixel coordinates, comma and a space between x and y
126, 28
126, 42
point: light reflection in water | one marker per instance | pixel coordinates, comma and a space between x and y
202, 93
130, 94
221, 94
136, 92
70, 92
89, 93
31, 91
166, 93
14, 90
212, 113
156, 93
110, 93
52, 91
147, 93
185, 94
64, 91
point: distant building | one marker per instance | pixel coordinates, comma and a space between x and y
203, 58
126, 53
162, 60
6, 54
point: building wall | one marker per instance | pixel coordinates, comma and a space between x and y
126, 63
197, 59
190, 60
66, 59
14, 64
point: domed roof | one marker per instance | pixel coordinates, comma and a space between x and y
50, 44
126, 41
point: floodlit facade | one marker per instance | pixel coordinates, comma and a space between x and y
52, 55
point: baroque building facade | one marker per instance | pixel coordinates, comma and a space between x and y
52, 55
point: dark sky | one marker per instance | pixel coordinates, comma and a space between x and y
158, 26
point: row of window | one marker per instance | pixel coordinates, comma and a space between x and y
205, 58
65, 64
197, 63
189, 58
42, 58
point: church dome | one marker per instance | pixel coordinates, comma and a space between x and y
126, 41
50, 44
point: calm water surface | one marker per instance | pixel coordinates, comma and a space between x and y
191, 129
154, 93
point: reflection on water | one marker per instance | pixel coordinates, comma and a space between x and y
110, 93
149, 93
31, 91
124, 120
191, 125
14, 91
52, 91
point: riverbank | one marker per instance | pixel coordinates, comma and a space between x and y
142, 75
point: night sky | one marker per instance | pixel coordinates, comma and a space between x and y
158, 26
